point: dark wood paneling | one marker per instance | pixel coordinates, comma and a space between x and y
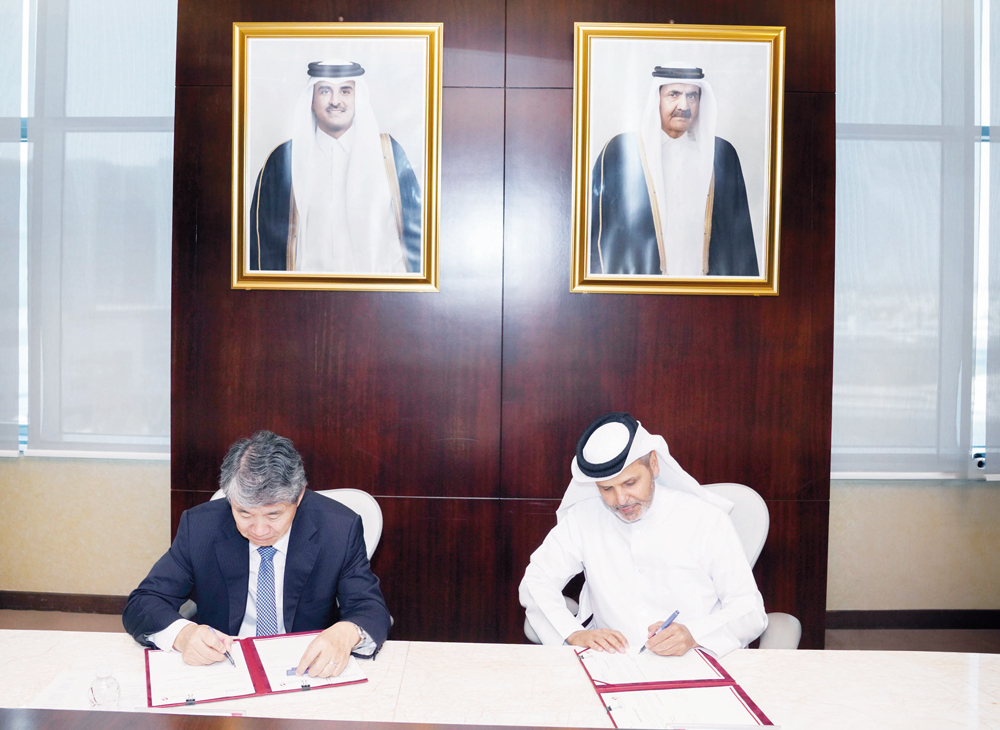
791, 570
540, 33
524, 523
67, 602
437, 562
418, 396
181, 500
739, 386
393, 393
473, 38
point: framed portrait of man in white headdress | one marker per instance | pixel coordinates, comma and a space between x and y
677, 158
336, 156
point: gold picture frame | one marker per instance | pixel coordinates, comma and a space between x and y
637, 217
353, 204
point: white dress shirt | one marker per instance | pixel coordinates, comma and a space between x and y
249, 625
683, 554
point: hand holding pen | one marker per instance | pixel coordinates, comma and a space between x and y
669, 638
664, 625
200, 644
226, 651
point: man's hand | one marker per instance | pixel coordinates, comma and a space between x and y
672, 641
201, 645
600, 640
327, 654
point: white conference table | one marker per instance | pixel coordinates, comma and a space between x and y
513, 684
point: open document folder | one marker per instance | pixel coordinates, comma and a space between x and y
650, 691
264, 665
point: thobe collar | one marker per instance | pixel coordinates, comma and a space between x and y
659, 497
327, 143
686, 138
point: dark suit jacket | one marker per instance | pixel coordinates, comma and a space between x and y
209, 562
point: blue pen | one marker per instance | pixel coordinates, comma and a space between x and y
664, 625
228, 655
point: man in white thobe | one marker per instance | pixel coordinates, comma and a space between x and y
339, 196
650, 541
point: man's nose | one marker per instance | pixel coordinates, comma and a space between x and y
258, 528
682, 103
623, 496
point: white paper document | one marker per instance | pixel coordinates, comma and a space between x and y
661, 708
634, 668
280, 655
171, 681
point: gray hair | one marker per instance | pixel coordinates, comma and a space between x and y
262, 470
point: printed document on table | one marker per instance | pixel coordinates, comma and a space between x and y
279, 654
635, 668
659, 708
171, 681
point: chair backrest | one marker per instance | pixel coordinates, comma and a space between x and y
360, 502
366, 506
749, 516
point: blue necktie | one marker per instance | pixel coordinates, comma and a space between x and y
267, 614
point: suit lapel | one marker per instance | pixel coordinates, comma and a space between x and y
234, 564
303, 550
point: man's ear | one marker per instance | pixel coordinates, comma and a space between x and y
654, 465
301, 496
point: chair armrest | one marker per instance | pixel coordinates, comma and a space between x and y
783, 632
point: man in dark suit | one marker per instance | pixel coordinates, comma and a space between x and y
271, 558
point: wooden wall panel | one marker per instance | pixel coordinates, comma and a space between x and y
389, 392
474, 397
437, 562
737, 385
540, 33
791, 569
474, 33
524, 523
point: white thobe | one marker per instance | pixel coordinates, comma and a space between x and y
683, 554
684, 227
324, 239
